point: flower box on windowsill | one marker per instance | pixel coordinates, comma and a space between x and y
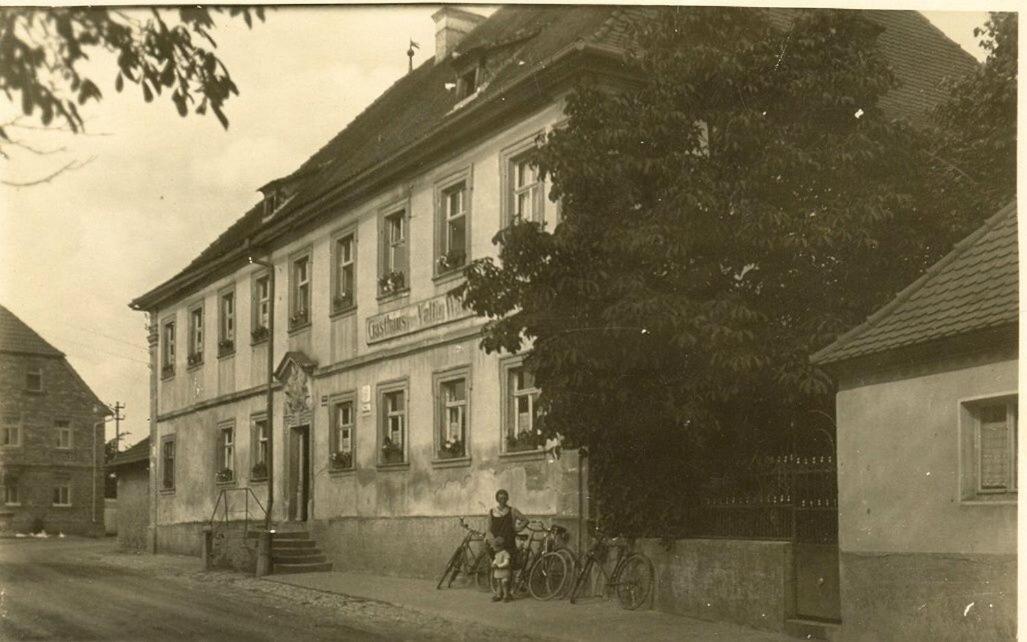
392, 454
167, 372
225, 476
450, 261
300, 319
525, 441
392, 283
258, 472
342, 460
343, 301
195, 359
226, 347
452, 450
260, 333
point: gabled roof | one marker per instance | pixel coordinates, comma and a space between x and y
972, 288
524, 41
138, 452
17, 337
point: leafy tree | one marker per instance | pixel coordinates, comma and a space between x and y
162, 51
740, 206
977, 125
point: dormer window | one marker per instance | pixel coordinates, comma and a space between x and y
467, 83
270, 203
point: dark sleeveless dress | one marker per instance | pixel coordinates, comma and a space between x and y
504, 527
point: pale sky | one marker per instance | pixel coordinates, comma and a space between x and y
160, 188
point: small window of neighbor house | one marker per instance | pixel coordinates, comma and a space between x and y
34, 380
989, 441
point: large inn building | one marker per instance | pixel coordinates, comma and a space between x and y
389, 421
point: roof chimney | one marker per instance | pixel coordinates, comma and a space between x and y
451, 25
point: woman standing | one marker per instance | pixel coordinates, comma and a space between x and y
504, 522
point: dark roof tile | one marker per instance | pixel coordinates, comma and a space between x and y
974, 287
418, 103
17, 337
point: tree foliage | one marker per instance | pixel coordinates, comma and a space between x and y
160, 51
977, 124
735, 210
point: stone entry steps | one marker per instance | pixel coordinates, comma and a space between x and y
293, 551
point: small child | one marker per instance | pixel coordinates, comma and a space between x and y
501, 572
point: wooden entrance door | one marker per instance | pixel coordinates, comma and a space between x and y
299, 472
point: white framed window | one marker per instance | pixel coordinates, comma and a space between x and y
393, 266
452, 414
989, 435
168, 463
300, 294
259, 447
344, 272
11, 496
342, 429
452, 222
64, 434
168, 348
226, 322
520, 409
261, 307
522, 187
34, 380
62, 495
226, 453
196, 335
392, 433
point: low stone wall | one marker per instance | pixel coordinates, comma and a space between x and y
398, 546
181, 539
921, 596
741, 581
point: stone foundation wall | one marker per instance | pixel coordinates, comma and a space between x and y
742, 581
928, 596
398, 546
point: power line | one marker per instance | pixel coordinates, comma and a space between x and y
109, 354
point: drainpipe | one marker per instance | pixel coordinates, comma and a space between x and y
270, 380
582, 457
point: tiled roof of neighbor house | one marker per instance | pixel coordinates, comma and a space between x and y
522, 40
138, 452
973, 288
17, 337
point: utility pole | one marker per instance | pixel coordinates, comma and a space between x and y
118, 407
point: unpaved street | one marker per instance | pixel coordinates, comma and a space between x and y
56, 590
78, 589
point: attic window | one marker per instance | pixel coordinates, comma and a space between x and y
271, 203
467, 84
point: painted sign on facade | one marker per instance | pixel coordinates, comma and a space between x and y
414, 317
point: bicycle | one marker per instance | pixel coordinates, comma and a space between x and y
632, 577
532, 546
547, 577
465, 560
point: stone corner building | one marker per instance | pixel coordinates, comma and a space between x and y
388, 420
51, 438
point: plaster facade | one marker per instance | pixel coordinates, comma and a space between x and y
915, 552
353, 357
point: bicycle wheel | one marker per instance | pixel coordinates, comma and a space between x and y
635, 581
581, 579
548, 576
483, 572
454, 561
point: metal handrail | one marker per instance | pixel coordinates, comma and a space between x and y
224, 494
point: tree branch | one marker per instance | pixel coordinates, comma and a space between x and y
71, 166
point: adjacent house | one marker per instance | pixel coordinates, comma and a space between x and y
132, 468
927, 437
388, 422
51, 438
